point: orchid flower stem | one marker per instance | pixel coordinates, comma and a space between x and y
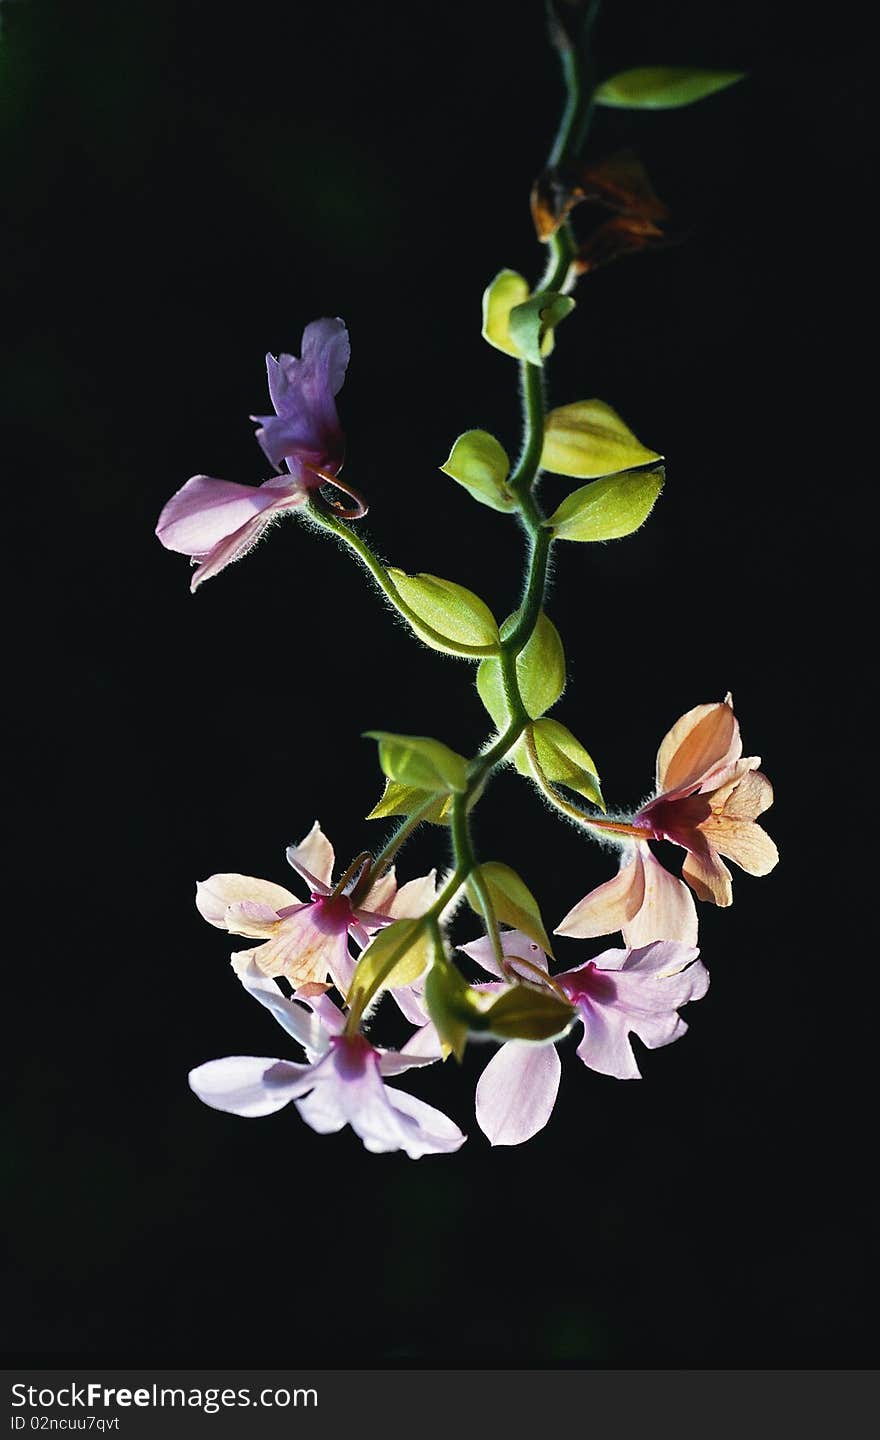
383, 859
607, 827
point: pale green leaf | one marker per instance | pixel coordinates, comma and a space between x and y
663, 87
479, 463
397, 955
531, 324
420, 762
452, 612
455, 1008
608, 509
563, 760
404, 799
512, 901
525, 1013
588, 439
499, 298
540, 669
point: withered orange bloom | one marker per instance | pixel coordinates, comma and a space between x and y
709, 798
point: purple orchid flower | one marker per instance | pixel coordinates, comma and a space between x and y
218, 521
343, 1082
620, 992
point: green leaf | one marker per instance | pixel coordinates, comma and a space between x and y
663, 87
512, 901
540, 669
587, 439
563, 760
404, 799
455, 1008
499, 298
609, 508
531, 324
525, 1013
479, 463
420, 762
455, 613
395, 956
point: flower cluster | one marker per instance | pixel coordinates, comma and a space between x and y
329, 955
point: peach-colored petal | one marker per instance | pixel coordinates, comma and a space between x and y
709, 878
750, 798
303, 951
313, 859
703, 739
667, 911
216, 894
742, 841
381, 894
415, 897
608, 907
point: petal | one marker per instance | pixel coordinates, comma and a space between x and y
743, 842
302, 391
704, 738
206, 511
313, 859
409, 999
667, 911
249, 1084
709, 878
433, 1133
329, 1014
610, 906
306, 1029
514, 944
414, 898
752, 795
517, 1091
302, 951
396, 1062
381, 893
606, 1047
218, 892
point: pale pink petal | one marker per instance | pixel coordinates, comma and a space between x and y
306, 1029
606, 1047
433, 1133
515, 945
667, 911
255, 919
218, 892
302, 949
396, 1062
517, 1091
425, 1041
381, 893
610, 906
249, 1084
313, 859
206, 511
703, 739
409, 999
329, 1014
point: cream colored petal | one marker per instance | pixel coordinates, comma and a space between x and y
608, 907
704, 738
215, 895
313, 857
709, 878
667, 911
415, 897
300, 951
723, 780
380, 895
742, 841
749, 798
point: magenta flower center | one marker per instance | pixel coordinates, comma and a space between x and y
331, 914
352, 1054
675, 819
589, 984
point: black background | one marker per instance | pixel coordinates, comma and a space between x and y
188, 186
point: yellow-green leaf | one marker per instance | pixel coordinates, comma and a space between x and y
663, 87
531, 324
419, 762
397, 955
455, 1008
512, 901
479, 463
506, 290
526, 1013
563, 760
588, 439
404, 799
608, 509
451, 611
540, 669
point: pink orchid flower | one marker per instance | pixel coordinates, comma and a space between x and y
619, 993
218, 521
708, 799
342, 1084
305, 941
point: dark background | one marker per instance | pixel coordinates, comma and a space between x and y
187, 187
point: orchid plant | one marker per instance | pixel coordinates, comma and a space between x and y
364, 935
